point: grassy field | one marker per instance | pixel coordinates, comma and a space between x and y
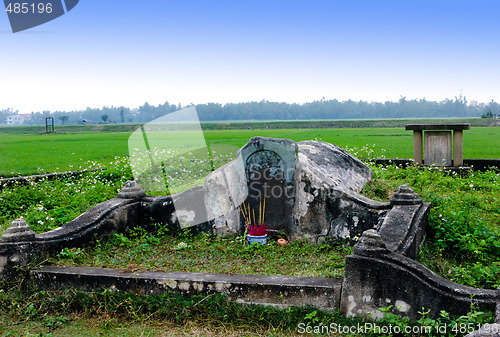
28, 152
24, 154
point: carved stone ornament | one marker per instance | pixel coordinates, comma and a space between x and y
370, 241
406, 196
19, 230
131, 190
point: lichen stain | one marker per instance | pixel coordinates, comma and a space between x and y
168, 283
402, 306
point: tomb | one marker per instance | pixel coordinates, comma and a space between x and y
437, 140
312, 192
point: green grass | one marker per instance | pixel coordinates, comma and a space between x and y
32, 153
76, 326
481, 143
47, 204
206, 253
36, 154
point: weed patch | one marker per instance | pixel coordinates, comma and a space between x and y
207, 253
48, 204
111, 313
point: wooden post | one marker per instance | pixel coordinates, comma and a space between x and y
417, 147
458, 148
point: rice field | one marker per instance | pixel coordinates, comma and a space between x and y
28, 152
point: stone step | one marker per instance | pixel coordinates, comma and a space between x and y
275, 290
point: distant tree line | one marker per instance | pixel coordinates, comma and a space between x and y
334, 109
265, 110
6, 113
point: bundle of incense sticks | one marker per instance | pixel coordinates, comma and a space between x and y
249, 214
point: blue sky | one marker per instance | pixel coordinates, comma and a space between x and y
130, 52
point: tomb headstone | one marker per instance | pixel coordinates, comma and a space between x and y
437, 148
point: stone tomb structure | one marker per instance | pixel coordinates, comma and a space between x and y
312, 191
438, 143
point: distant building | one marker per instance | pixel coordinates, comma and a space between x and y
85, 121
18, 119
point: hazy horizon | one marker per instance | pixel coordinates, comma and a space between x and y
128, 53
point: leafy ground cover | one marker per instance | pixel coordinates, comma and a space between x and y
76, 326
48, 204
208, 253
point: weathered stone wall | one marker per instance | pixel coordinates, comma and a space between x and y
375, 278
337, 216
403, 227
327, 205
112, 216
224, 190
162, 210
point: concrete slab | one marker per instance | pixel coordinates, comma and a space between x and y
276, 290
